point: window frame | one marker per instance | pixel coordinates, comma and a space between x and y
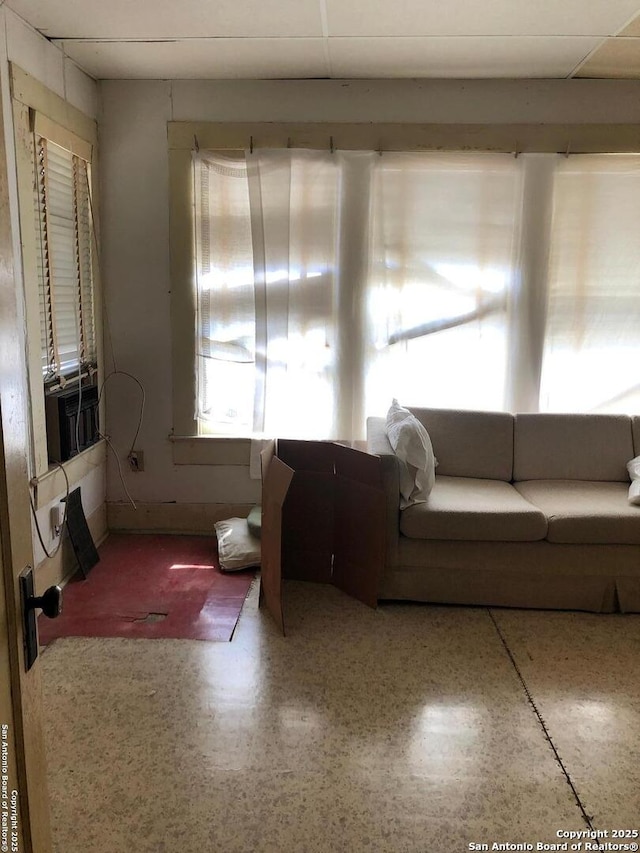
235, 137
38, 111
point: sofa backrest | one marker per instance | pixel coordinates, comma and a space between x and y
635, 426
572, 447
470, 444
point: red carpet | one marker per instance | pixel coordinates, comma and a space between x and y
152, 586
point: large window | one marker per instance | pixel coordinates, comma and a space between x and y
328, 283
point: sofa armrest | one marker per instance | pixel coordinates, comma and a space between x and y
378, 444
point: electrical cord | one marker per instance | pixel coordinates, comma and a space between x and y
64, 517
142, 400
117, 458
137, 432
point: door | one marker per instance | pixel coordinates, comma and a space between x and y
24, 801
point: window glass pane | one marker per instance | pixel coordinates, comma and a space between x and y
227, 387
225, 294
444, 228
593, 321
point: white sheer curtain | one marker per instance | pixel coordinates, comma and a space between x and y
592, 337
266, 248
329, 283
281, 259
225, 323
444, 232
294, 199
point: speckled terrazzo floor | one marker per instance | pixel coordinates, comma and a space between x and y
404, 729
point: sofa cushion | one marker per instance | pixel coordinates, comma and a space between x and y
572, 447
470, 444
474, 509
585, 512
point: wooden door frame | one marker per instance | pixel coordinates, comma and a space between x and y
16, 547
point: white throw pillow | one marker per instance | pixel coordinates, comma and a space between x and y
633, 468
237, 547
412, 445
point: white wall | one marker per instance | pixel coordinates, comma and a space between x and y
135, 214
135, 247
21, 44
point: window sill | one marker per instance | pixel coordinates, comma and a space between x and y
210, 450
52, 483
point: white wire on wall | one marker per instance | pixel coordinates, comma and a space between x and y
64, 518
116, 372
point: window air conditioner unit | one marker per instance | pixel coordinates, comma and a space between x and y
72, 421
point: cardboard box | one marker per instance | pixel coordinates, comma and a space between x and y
322, 520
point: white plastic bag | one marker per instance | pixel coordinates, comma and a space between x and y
633, 468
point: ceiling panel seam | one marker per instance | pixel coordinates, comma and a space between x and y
586, 58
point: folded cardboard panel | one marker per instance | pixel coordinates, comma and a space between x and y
276, 478
323, 519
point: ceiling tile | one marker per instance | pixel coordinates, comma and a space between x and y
618, 57
201, 58
483, 17
457, 57
158, 19
632, 29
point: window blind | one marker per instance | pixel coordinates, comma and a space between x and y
63, 224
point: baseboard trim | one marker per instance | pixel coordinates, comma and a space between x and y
61, 568
197, 518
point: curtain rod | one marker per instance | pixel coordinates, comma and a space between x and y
390, 137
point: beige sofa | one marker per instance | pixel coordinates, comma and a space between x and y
527, 511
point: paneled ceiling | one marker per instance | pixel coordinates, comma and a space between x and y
262, 39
